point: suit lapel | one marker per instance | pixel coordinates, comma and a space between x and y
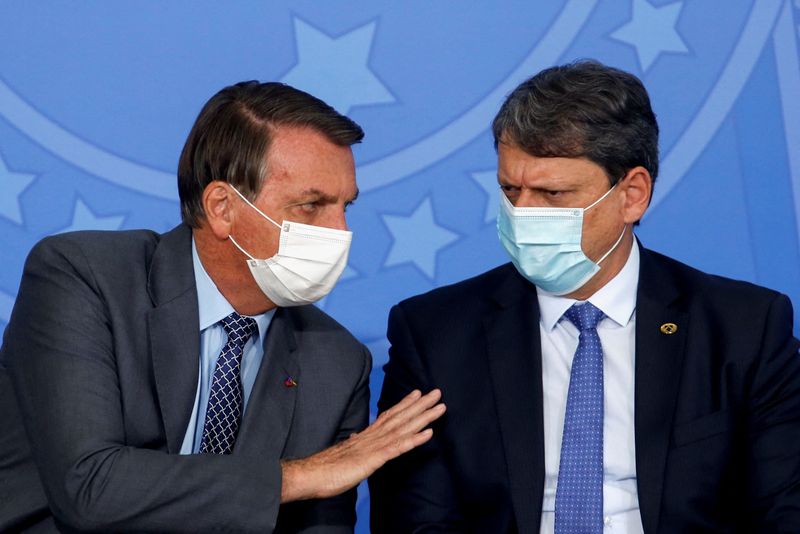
272, 399
659, 360
174, 335
174, 332
515, 363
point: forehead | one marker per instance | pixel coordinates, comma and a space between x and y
303, 146
516, 166
304, 158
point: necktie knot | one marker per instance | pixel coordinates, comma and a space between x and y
584, 316
238, 328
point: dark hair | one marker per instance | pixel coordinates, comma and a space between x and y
230, 138
583, 109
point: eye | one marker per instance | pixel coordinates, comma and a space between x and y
309, 207
509, 190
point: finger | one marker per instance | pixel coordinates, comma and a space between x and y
415, 407
422, 437
412, 405
416, 398
404, 403
390, 437
404, 445
432, 397
422, 420
410, 411
417, 439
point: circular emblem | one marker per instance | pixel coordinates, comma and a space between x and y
669, 328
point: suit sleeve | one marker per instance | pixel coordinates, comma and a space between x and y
60, 353
414, 492
774, 426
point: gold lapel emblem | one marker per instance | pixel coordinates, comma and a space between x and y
669, 328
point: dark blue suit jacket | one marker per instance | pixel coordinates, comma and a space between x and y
717, 407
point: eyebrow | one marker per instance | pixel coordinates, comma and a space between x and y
501, 181
314, 192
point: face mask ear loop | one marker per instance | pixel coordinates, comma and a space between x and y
267, 217
240, 248
596, 202
615, 245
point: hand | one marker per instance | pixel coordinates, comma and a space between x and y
341, 467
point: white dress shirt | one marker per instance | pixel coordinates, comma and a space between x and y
617, 300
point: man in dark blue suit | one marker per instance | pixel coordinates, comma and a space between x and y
592, 385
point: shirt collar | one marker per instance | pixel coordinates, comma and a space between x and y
616, 299
212, 305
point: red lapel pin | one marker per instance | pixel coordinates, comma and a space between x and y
289, 382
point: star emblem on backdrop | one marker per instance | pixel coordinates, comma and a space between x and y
417, 238
336, 69
14, 184
487, 180
85, 219
652, 31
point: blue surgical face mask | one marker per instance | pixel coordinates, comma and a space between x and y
545, 245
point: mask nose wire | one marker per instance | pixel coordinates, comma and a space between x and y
267, 217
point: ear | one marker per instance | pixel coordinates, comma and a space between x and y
638, 186
217, 207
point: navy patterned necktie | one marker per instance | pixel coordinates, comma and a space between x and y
225, 399
579, 496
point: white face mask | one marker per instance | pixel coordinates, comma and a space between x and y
309, 261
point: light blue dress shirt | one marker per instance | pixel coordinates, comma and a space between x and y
213, 307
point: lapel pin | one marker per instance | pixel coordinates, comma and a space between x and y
289, 382
669, 328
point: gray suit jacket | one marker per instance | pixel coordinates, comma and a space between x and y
99, 364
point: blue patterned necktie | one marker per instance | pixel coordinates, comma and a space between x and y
225, 398
579, 496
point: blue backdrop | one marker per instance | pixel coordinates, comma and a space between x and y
96, 99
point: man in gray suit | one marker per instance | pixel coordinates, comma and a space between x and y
179, 382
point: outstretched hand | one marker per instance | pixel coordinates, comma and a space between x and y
342, 466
